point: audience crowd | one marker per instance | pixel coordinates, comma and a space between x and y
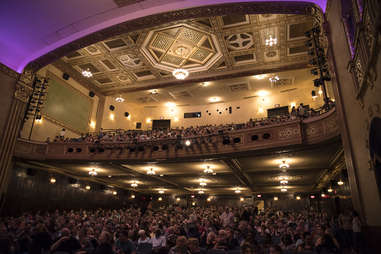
176, 230
139, 136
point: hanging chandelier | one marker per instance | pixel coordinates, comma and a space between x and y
119, 99
237, 190
201, 192
274, 79
180, 74
284, 165
93, 172
208, 170
202, 182
134, 184
271, 41
151, 171
87, 73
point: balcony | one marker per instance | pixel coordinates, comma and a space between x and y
312, 130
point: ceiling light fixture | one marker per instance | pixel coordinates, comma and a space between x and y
340, 182
134, 184
261, 76
208, 199
160, 199
153, 91
284, 165
283, 190
312, 196
270, 40
93, 172
330, 190
151, 171
259, 196
208, 170
241, 199
323, 195
203, 182
297, 197
161, 191
201, 192
283, 182
119, 99
87, 73
180, 74
274, 79
53, 180
237, 190
132, 196
88, 187
114, 193
178, 199
214, 99
188, 142
275, 198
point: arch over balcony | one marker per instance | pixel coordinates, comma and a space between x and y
35, 40
294, 132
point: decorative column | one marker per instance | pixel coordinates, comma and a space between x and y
13, 123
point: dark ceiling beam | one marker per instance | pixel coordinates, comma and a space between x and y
157, 178
293, 171
236, 168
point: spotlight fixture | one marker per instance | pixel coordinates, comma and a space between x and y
208, 170
340, 182
134, 184
88, 187
119, 99
284, 165
297, 197
188, 142
87, 73
151, 171
330, 190
52, 180
180, 74
114, 193
283, 190
93, 172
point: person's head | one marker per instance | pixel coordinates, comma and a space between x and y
193, 244
65, 232
211, 238
123, 236
105, 237
181, 241
247, 248
142, 234
275, 249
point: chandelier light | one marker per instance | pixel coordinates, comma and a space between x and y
188, 142
93, 172
87, 73
340, 182
114, 193
134, 184
119, 99
274, 79
330, 190
52, 180
283, 182
201, 192
241, 199
203, 183
151, 171
132, 196
160, 198
208, 170
259, 196
284, 165
297, 197
161, 191
180, 74
271, 41
178, 199
237, 190
275, 198
88, 187
283, 190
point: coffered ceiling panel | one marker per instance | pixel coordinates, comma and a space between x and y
205, 47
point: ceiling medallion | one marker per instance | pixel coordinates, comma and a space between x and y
87, 73
180, 74
119, 99
182, 51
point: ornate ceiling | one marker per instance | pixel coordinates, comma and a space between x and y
207, 47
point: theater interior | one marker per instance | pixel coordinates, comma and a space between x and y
175, 110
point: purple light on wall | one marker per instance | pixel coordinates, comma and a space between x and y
32, 29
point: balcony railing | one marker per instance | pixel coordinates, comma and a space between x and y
293, 132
